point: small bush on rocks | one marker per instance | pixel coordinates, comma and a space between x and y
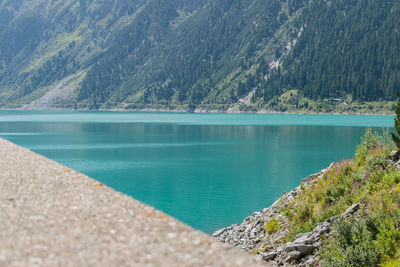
368, 142
352, 244
271, 227
369, 237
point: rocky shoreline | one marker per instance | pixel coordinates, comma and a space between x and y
205, 111
302, 251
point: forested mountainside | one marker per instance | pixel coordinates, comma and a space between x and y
347, 47
220, 54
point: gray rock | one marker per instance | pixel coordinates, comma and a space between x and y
322, 228
293, 255
395, 155
311, 177
220, 232
301, 235
307, 238
290, 247
270, 256
351, 210
305, 249
310, 260
331, 219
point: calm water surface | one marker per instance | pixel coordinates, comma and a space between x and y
208, 170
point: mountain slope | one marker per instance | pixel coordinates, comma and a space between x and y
347, 47
193, 62
198, 54
43, 42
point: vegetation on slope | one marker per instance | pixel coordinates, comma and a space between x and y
237, 54
43, 42
199, 61
371, 237
346, 48
293, 101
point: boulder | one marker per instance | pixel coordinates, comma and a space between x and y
395, 156
351, 210
293, 255
269, 256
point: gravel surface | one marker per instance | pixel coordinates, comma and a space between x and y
52, 215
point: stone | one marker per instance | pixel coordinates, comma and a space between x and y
293, 255
290, 247
219, 232
310, 260
301, 235
395, 155
311, 177
331, 219
351, 210
306, 238
305, 249
269, 256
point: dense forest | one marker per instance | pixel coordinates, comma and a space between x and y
197, 53
347, 47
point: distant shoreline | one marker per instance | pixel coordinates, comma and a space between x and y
203, 111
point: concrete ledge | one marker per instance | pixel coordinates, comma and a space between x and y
52, 215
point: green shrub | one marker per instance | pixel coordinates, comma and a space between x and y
377, 162
388, 238
369, 141
304, 212
391, 263
364, 241
373, 237
304, 227
352, 244
271, 227
333, 194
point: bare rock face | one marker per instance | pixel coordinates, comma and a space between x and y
58, 96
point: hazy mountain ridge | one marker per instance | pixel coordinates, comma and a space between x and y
197, 53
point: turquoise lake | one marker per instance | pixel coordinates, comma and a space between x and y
207, 170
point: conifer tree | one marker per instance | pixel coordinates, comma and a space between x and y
396, 137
